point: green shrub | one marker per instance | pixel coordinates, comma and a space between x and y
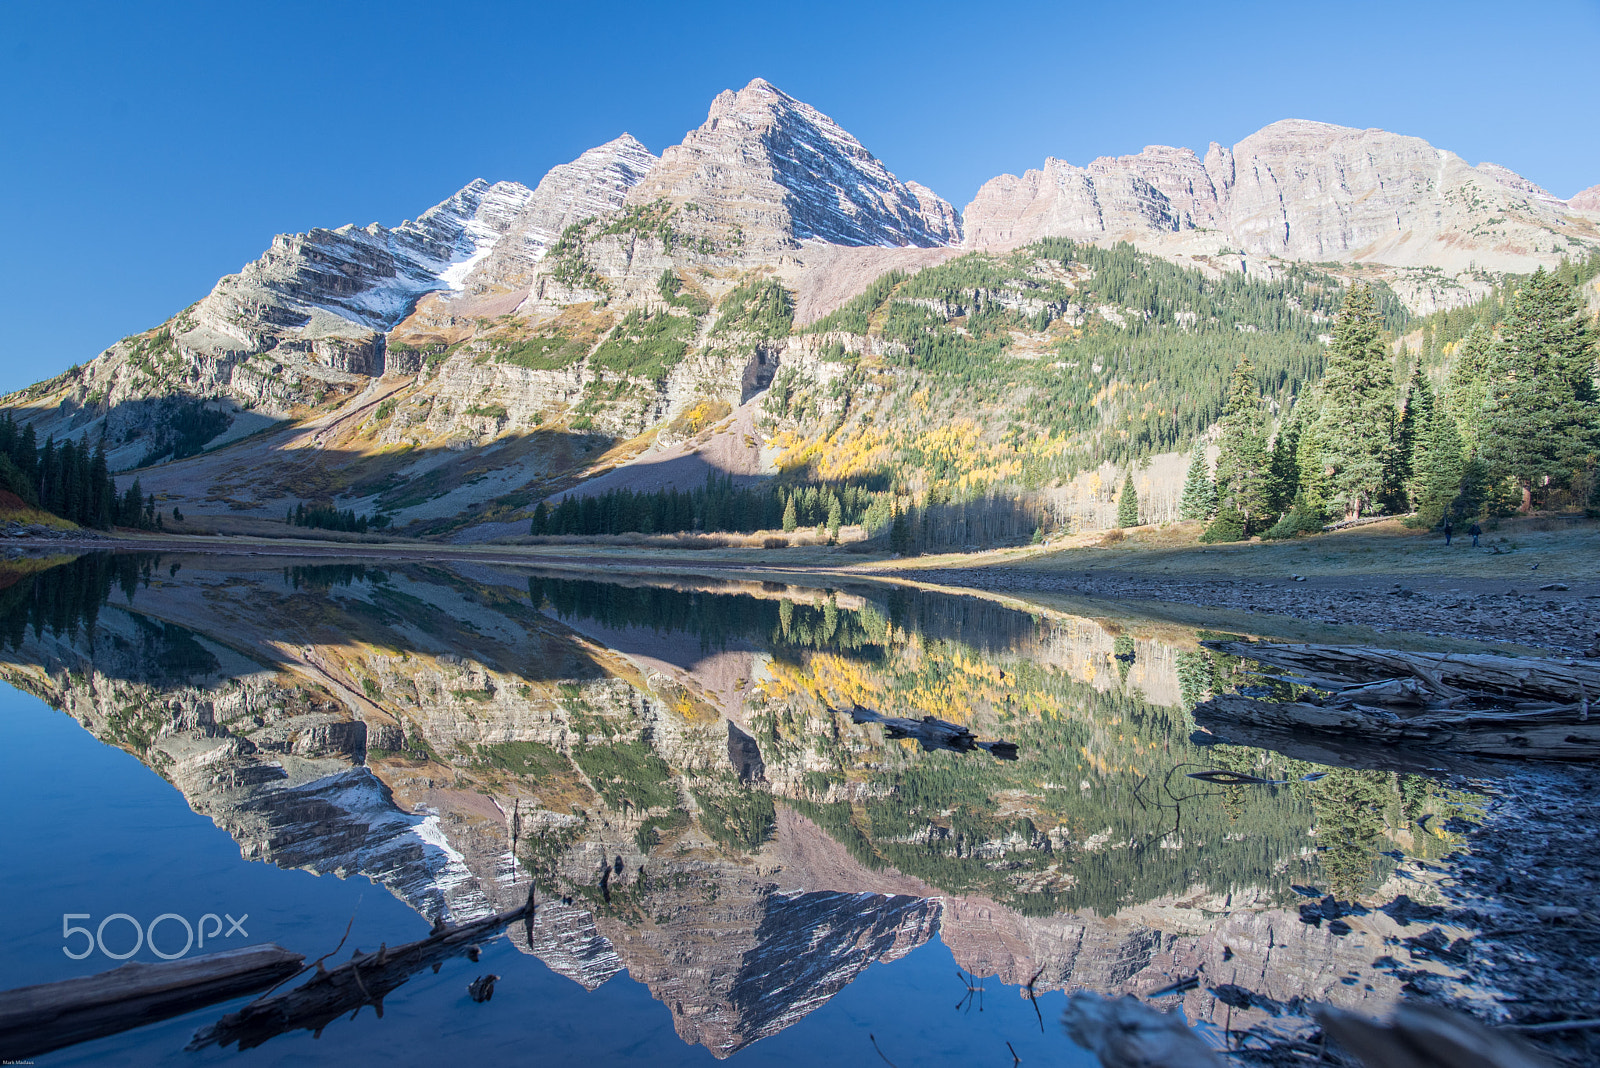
521, 758
1228, 526
1291, 523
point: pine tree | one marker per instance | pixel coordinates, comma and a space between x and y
105, 491
1437, 457
1128, 503
1466, 393
1357, 418
1541, 425
1242, 473
1397, 496
899, 531
1283, 466
1310, 500
1199, 498
835, 516
790, 520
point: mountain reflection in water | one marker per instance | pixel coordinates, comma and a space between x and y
662, 761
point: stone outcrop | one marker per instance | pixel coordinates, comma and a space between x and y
766, 172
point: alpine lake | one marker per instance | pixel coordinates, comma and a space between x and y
202, 752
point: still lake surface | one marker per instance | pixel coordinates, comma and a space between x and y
727, 865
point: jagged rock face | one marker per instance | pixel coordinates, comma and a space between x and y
369, 276
779, 172
1160, 189
1308, 190
595, 183
1295, 189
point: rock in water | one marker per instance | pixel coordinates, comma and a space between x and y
1127, 1033
481, 989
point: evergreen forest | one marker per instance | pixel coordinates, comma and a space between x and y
69, 480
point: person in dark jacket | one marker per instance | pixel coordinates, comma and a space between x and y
1448, 530
1475, 530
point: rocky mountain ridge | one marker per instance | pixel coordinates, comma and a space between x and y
614, 300
1300, 190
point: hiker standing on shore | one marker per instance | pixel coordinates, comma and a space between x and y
1474, 530
1448, 530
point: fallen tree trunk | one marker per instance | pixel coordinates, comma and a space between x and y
1563, 680
934, 733
1548, 735
37, 1019
365, 979
1340, 751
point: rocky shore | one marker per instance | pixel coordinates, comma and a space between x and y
1562, 617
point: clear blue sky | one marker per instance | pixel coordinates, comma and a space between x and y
147, 149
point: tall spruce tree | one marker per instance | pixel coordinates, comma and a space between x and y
1541, 425
1437, 455
1283, 466
1357, 418
1199, 498
1466, 390
1396, 495
1243, 476
1128, 503
1310, 499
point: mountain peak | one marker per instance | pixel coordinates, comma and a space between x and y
775, 172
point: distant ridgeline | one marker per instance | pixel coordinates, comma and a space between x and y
1495, 409
69, 480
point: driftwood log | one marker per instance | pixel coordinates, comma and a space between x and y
1332, 750
934, 733
365, 979
1541, 735
1550, 679
1473, 704
37, 1019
